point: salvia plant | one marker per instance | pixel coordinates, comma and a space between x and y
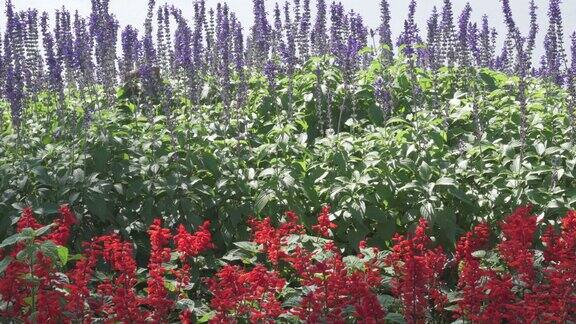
124, 138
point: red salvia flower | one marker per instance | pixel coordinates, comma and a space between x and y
246, 294
516, 250
324, 224
158, 297
190, 245
418, 268
273, 238
334, 289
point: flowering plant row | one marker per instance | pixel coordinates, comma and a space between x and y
285, 274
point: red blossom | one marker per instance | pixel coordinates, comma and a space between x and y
190, 245
158, 297
238, 293
516, 250
324, 224
272, 238
61, 233
334, 289
418, 268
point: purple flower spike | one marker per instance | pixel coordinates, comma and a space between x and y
319, 34
384, 30
463, 22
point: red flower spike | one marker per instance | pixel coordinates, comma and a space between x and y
324, 224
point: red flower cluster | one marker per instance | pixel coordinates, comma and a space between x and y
516, 249
273, 238
246, 294
158, 297
31, 287
61, 233
334, 289
418, 268
497, 281
190, 245
521, 295
324, 224
35, 287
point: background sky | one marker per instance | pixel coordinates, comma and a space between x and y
133, 12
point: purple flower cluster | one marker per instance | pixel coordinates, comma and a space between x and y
66, 50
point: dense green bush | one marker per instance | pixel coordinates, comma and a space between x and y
379, 174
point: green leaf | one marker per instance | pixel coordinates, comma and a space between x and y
425, 171
11, 240
43, 230
248, 246
4, 264
261, 201
479, 254
63, 253
445, 181
395, 318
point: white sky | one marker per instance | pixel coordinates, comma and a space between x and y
134, 11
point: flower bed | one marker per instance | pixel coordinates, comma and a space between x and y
284, 273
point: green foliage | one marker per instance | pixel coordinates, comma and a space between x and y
378, 175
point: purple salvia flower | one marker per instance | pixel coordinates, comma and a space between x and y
337, 28
501, 63
130, 49
14, 60
224, 40
289, 50
383, 98
277, 31
197, 45
573, 54
512, 39
238, 48
463, 22
148, 76
270, 74
14, 94
486, 45
409, 37
304, 35
384, 30
473, 42
533, 31
168, 37
34, 64
55, 82
210, 28
239, 59
319, 35
83, 51
572, 88
161, 46
433, 40
104, 30
260, 33
551, 46
448, 43
64, 43
553, 43
508, 19
359, 32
